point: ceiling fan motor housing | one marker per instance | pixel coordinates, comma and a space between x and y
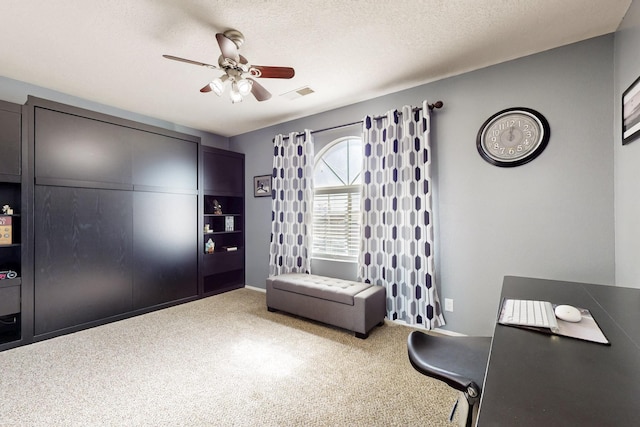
235, 36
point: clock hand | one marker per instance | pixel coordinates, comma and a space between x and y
511, 133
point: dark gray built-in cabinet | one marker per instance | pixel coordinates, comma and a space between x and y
108, 219
115, 217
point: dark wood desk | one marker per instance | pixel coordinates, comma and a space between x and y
534, 379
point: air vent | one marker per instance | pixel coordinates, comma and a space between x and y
298, 93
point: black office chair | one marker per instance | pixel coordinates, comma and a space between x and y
458, 361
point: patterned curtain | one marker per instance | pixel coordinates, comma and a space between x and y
397, 227
291, 204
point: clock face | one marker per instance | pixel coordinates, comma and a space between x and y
513, 137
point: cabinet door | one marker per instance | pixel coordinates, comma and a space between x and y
75, 148
10, 123
82, 256
162, 161
223, 172
166, 248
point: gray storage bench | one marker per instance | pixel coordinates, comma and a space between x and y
355, 306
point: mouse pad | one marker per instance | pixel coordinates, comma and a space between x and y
586, 329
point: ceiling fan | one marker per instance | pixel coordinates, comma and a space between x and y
237, 71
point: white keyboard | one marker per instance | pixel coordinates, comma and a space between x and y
530, 313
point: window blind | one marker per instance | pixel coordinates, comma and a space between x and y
336, 222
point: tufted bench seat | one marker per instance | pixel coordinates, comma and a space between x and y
355, 306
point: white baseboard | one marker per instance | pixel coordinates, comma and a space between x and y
438, 330
450, 333
253, 288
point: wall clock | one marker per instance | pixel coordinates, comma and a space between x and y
513, 137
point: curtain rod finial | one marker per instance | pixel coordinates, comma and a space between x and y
437, 104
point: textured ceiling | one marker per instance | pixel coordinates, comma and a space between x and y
110, 51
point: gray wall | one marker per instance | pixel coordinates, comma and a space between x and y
552, 218
627, 158
16, 91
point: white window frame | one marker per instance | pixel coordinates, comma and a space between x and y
341, 239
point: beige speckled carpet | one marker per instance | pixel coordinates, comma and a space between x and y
219, 361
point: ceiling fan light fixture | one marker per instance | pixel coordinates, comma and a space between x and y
234, 94
217, 85
244, 86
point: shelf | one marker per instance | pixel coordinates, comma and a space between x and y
221, 232
223, 261
9, 300
223, 282
8, 178
220, 251
10, 329
5, 283
222, 215
13, 245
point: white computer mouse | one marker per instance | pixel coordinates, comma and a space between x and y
568, 313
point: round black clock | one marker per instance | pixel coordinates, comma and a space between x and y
513, 137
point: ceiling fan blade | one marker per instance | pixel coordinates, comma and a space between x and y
259, 91
189, 61
227, 47
206, 89
266, 72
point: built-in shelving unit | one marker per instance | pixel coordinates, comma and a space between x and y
10, 223
222, 221
10, 270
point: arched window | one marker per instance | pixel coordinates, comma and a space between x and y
336, 206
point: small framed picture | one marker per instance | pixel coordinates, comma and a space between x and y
631, 112
262, 186
228, 223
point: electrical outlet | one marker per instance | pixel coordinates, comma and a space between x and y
448, 304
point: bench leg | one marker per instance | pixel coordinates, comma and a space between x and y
365, 336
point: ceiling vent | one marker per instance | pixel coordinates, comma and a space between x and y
298, 93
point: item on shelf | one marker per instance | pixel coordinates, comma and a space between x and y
228, 223
5, 230
8, 274
230, 248
207, 228
217, 207
210, 246
6, 209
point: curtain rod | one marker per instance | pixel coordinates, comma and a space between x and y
437, 104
